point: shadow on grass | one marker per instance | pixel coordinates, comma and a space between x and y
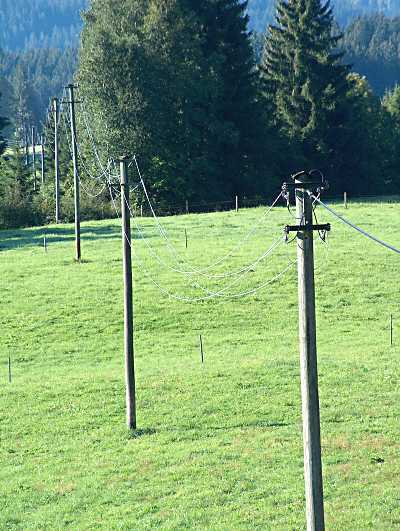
10, 239
135, 434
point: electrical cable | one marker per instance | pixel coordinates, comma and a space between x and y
65, 120
104, 170
211, 294
354, 226
181, 270
84, 112
170, 246
245, 271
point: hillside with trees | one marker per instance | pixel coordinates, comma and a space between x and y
262, 12
176, 84
44, 24
372, 46
40, 23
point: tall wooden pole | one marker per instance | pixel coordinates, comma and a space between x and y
128, 306
42, 146
34, 157
57, 175
308, 362
76, 176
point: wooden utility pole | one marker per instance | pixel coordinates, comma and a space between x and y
128, 306
34, 157
57, 175
42, 146
76, 176
308, 360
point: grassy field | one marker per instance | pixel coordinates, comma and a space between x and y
219, 444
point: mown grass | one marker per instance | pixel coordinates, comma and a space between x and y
219, 444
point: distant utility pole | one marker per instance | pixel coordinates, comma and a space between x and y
76, 176
42, 145
308, 349
128, 305
57, 175
26, 146
34, 157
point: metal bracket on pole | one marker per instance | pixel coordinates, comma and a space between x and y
305, 185
297, 228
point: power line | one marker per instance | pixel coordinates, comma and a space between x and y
193, 270
354, 226
173, 250
67, 122
211, 294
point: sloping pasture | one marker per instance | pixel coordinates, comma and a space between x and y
219, 443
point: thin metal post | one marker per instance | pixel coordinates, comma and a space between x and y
76, 176
237, 204
128, 305
57, 176
308, 362
391, 330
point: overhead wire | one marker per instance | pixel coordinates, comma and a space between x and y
67, 122
354, 226
219, 293
173, 250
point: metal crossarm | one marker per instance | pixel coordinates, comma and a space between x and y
299, 228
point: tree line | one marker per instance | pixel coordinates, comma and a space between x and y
176, 84
262, 12
57, 23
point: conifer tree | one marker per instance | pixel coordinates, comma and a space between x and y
303, 75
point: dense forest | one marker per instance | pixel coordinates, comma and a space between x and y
40, 23
262, 11
57, 23
371, 44
211, 109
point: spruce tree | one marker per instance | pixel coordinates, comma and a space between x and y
305, 78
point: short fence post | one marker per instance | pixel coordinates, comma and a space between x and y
237, 204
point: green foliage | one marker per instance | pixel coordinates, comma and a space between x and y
300, 69
40, 23
219, 443
372, 46
173, 82
262, 11
305, 80
18, 204
335, 123
367, 144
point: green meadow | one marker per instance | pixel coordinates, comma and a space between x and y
218, 444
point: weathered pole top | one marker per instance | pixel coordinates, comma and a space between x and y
301, 175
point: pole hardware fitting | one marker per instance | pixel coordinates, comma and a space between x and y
286, 187
299, 228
